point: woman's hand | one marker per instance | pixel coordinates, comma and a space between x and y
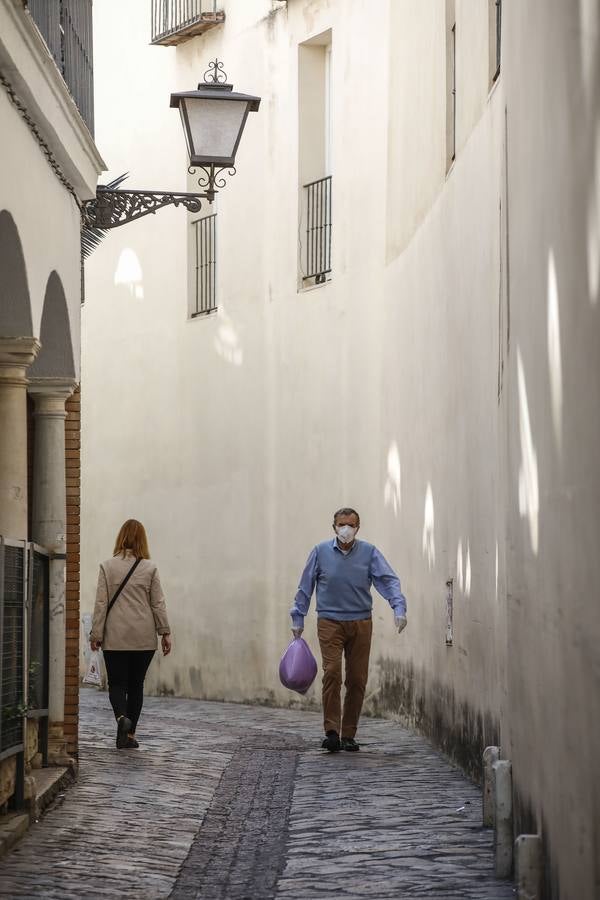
166, 644
95, 645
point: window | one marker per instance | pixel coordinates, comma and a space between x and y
327, 124
205, 245
453, 89
315, 101
495, 13
450, 84
317, 262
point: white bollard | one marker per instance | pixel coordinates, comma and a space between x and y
528, 866
490, 756
503, 834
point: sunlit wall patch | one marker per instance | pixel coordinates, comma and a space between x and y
429, 528
589, 19
227, 342
496, 576
529, 497
593, 227
392, 493
129, 273
554, 353
460, 578
468, 571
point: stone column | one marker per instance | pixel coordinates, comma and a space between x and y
16, 355
49, 528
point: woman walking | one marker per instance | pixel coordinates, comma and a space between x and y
128, 614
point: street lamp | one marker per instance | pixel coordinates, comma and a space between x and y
213, 119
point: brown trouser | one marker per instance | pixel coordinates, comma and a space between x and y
353, 640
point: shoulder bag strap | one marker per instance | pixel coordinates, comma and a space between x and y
122, 585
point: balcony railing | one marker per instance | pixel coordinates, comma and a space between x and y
175, 21
66, 26
318, 230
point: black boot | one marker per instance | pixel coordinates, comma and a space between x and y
332, 742
124, 726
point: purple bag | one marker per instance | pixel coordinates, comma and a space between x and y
298, 667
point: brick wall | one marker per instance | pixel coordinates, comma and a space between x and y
73, 470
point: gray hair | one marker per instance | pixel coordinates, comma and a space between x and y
345, 511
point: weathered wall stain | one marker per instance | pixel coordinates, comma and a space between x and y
432, 709
196, 680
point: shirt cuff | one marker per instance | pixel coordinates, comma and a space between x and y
297, 620
162, 631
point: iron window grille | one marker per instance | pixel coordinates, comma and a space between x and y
38, 629
13, 559
498, 37
205, 276
12, 647
453, 51
318, 201
174, 21
66, 26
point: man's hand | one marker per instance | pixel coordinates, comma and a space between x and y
95, 645
166, 644
400, 623
297, 632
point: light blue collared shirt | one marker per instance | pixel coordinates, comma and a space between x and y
343, 582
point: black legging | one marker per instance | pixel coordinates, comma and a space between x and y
126, 670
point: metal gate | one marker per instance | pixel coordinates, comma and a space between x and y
38, 621
24, 632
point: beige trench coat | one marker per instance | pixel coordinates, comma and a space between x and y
139, 613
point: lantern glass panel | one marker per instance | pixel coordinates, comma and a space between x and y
214, 126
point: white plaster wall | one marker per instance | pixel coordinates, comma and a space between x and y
234, 437
232, 433
46, 217
552, 399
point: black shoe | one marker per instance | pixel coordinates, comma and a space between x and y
332, 742
350, 745
124, 726
131, 744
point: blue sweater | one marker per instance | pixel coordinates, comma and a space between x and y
343, 582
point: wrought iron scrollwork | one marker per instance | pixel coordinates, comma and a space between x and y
213, 178
112, 208
215, 74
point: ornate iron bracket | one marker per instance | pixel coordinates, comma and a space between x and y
212, 178
112, 207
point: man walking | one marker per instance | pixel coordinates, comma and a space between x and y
343, 570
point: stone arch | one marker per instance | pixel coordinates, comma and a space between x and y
15, 305
55, 359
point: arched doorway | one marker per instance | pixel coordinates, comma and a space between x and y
15, 306
17, 351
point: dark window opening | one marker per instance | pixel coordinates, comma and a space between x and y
498, 30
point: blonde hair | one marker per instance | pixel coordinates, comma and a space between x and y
132, 536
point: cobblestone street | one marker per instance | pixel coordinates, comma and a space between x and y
228, 801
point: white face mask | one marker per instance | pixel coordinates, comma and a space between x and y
346, 533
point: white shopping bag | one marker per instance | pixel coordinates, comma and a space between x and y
93, 674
